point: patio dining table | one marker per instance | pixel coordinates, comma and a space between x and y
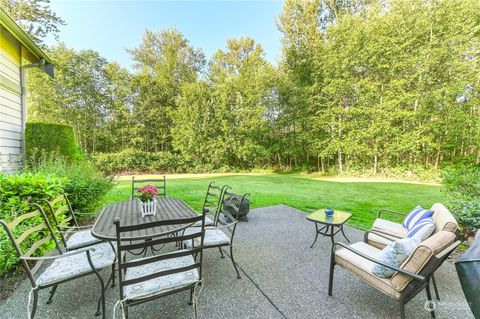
129, 214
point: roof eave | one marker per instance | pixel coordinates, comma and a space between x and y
25, 40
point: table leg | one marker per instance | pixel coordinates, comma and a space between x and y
331, 234
316, 235
341, 227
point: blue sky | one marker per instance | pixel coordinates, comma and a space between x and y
110, 27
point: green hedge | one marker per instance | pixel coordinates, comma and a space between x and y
15, 193
47, 138
135, 161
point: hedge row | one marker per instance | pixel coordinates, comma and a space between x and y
135, 161
47, 138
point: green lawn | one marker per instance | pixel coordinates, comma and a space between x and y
363, 199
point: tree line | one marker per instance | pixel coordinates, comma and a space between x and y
365, 86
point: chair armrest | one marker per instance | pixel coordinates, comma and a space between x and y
69, 253
389, 211
67, 228
83, 214
226, 225
400, 270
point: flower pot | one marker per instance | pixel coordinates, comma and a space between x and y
148, 208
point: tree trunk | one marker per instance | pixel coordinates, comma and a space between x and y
375, 165
340, 161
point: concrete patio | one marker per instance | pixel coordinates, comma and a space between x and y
281, 278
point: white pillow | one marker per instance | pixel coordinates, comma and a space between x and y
422, 230
394, 255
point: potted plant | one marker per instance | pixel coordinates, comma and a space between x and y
147, 200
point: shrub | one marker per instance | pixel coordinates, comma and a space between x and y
16, 191
462, 185
85, 187
47, 138
136, 161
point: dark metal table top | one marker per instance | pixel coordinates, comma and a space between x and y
129, 214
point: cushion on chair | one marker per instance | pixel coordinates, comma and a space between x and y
213, 237
444, 220
388, 227
81, 238
66, 267
363, 267
422, 230
421, 256
160, 284
416, 215
208, 222
394, 255
378, 241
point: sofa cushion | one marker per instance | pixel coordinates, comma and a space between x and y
81, 238
161, 284
444, 220
388, 227
363, 267
416, 215
421, 256
378, 241
394, 255
63, 268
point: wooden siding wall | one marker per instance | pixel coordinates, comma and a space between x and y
11, 117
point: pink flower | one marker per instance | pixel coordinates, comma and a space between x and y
147, 192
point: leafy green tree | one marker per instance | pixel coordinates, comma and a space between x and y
165, 61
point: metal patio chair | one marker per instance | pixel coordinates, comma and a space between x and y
150, 277
65, 266
223, 232
71, 233
160, 184
384, 231
410, 278
212, 203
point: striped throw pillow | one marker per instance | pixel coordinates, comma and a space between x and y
416, 215
422, 229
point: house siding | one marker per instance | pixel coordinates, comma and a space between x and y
11, 116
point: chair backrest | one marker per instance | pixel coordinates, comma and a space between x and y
426, 258
29, 233
214, 197
444, 220
160, 184
230, 210
132, 244
62, 216
70, 209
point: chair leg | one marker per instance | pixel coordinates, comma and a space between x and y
52, 292
125, 311
191, 297
113, 275
101, 301
221, 252
233, 262
330, 278
435, 288
402, 309
429, 297
35, 303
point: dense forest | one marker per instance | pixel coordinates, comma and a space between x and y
364, 86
